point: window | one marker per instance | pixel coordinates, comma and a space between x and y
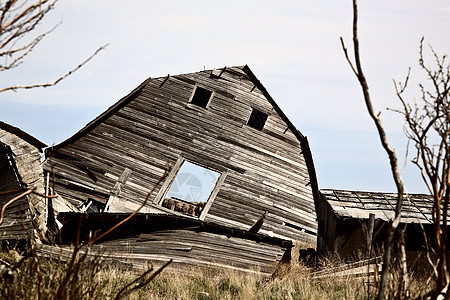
257, 119
201, 97
191, 189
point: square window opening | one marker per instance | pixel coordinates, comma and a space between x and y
190, 189
257, 119
201, 97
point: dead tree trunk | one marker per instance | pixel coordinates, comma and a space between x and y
393, 224
427, 125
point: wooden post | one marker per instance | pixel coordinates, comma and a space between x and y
117, 188
370, 226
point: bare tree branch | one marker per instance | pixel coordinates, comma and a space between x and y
347, 57
44, 85
428, 126
24, 50
393, 224
25, 192
95, 239
18, 21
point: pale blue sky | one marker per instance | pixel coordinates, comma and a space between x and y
292, 46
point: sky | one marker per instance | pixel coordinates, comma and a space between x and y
293, 47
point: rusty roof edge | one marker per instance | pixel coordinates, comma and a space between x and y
95, 122
23, 135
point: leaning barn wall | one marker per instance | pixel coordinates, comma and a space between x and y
154, 126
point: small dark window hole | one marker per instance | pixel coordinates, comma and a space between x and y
201, 97
257, 119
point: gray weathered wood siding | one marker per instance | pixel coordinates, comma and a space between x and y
17, 214
187, 249
20, 167
151, 128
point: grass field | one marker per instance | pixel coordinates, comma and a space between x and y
89, 278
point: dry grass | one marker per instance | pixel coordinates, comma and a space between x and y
93, 280
230, 285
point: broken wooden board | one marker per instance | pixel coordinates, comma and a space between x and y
188, 242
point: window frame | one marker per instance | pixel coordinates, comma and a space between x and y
190, 104
258, 111
171, 177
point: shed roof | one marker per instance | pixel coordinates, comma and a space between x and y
417, 208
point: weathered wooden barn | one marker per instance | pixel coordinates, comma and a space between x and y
20, 169
230, 156
343, 218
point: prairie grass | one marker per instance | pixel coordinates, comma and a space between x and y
41, 278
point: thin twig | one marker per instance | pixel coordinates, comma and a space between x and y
393, 224
12, 201
131, 215
135, 284
26, 192
16, 87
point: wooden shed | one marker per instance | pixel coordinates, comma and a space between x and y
20, 169
344, 216
231, 156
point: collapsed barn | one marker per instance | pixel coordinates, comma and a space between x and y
228, 158
218, 173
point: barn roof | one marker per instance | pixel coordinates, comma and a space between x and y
23, 135
356, 204
125, 100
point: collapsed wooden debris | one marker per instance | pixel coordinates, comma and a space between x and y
354, 224
158, 238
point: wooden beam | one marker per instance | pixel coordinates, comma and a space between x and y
118, 187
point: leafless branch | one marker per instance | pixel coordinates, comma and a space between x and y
347, 57
19, 20
12, 201
23, 50
428, 125
16, 87
393, 224
94, 240
25, 192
